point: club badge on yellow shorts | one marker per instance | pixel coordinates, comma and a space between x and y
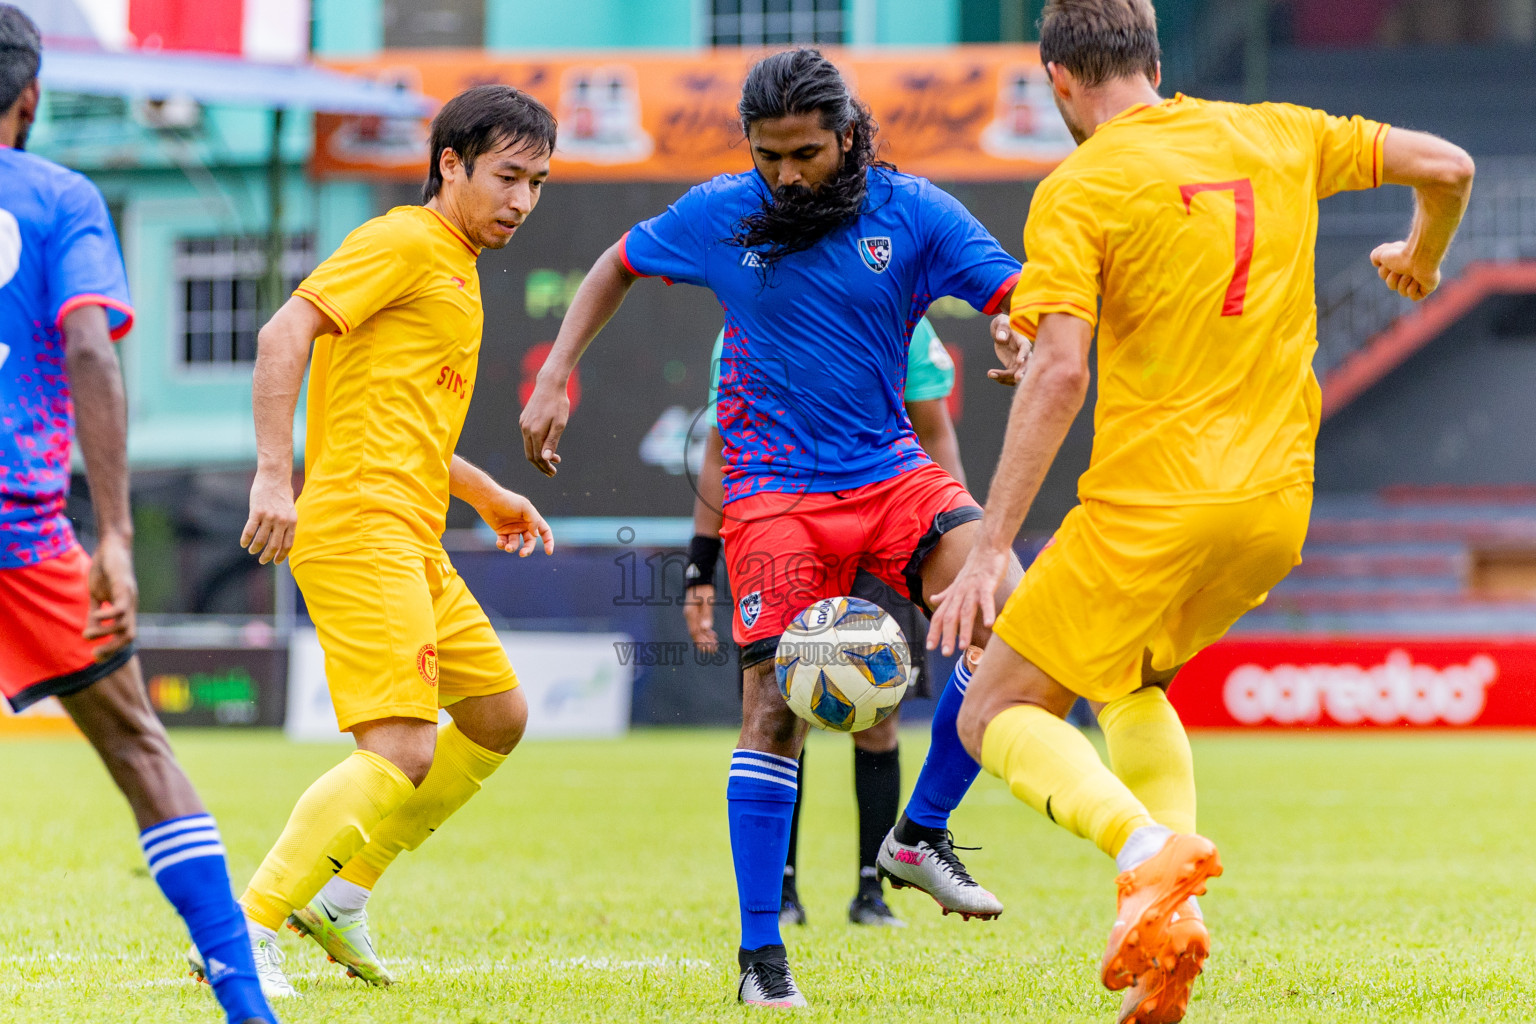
426, 664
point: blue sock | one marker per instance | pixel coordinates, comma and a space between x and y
186, 859
760, 795
948, 771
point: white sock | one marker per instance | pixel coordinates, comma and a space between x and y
1142, 846
259, 932
345, 895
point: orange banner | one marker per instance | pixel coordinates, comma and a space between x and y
968, 113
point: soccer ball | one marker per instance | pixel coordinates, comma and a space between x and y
843, 664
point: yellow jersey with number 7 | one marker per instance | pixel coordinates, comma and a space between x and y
1194, 223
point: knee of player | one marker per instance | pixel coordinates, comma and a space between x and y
413, 764
878, 739
516, 723
503, 734
412, 755
138, 753
136, 733
406, 743
971, 725
765, 730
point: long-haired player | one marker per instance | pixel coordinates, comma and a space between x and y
823, 259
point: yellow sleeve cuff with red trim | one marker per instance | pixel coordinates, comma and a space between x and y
1025, 318
329, 308
1379, 154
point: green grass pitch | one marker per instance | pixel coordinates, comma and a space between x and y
1369, 879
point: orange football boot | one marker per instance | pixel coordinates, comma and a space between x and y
1161, 995
1149, 895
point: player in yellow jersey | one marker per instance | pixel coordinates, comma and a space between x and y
395, 316
1183, 230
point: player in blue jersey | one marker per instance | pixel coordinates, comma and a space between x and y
823, 260
876, 753
67, 619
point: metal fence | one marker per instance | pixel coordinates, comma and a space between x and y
1500, 226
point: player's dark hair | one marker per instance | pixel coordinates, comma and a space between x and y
21, 53
1098, 40
482, 120
796, 218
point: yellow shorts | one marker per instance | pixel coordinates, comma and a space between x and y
1121, 586
402, 635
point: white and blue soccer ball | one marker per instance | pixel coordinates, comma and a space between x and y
843, 664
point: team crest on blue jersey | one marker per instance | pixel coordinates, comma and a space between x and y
751, 259
751, 606
876, 252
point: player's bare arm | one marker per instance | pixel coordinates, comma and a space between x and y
101, 424
282, 353
548, 410
1440, 174
517, 524
708, 516
936, 433
1048, 399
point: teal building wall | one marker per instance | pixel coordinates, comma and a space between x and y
514, 25
347, 28
917, 22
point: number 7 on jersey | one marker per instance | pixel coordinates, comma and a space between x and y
1242, 199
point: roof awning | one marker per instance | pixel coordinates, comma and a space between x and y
227, 80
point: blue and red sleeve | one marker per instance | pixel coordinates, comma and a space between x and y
674, 244
964, 260
84, 265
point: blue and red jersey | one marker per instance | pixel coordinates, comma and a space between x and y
814, 363
58, 252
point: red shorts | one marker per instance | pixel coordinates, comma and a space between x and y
784, 551
43, 609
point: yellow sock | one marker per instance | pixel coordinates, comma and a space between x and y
329, 824
459, 768
1150, 753
1052, 767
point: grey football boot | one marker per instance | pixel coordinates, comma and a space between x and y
930, 864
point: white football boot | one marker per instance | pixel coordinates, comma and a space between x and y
343, 934
932, 866
765, 979
269, 969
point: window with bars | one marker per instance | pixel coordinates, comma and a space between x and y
767, 22
218, 282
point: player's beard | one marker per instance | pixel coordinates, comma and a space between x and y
796, 217
22, 132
